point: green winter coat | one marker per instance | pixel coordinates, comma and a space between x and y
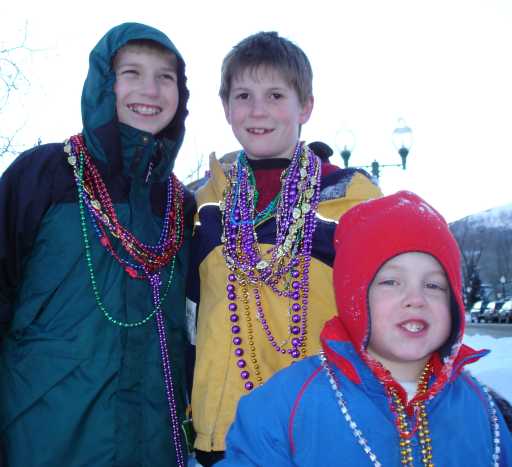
75, 389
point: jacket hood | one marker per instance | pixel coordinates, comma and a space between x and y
366, 237
99, 101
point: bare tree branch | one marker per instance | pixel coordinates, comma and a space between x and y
472, 241
194, 178
12, 79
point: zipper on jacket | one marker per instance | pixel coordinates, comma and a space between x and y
148, 173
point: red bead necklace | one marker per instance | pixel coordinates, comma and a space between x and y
152, 258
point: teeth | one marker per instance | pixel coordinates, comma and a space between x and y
144, 109
258, 131
413, 326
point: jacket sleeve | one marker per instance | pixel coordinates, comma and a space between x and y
210, 192
504, 407
25, 194
10, 243
505, 441
259, 434
193, 270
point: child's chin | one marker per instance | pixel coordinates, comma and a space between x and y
146, 128
412, 357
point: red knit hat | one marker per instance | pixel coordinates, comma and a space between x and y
375, 231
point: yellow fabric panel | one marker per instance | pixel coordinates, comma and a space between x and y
359, 189
217, 382
213, 190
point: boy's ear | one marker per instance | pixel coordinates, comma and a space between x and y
225, 104
306, 110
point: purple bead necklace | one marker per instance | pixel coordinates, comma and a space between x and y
166, 364
284, 268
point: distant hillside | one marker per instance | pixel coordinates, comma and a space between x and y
485, 239
500, 217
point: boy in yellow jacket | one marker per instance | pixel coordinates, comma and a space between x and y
264, 236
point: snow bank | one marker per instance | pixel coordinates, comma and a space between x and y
495, 369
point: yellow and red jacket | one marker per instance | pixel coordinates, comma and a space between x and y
217, 382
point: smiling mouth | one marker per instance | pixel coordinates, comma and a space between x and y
259, 131
146, 110
413, 326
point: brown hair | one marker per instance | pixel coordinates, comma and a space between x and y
268, 49
147, 46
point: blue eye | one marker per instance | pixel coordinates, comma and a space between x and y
388, 282
436, 286
169, 76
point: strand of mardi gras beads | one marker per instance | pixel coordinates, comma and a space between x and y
99, 203
155, 283
289, 258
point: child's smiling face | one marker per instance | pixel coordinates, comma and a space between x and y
265, 113
409, 301
146, 88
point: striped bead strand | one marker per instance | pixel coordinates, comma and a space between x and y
358, 434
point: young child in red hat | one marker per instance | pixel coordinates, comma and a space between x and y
389, 387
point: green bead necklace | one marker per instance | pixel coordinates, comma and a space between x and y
271, 207
88, 259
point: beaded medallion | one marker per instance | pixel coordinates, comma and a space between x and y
283, 268
141, 261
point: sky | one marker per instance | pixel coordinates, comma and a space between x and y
442, 66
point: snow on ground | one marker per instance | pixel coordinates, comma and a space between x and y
495, 369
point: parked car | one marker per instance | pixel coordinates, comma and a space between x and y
490, 313
476, 312
505, 312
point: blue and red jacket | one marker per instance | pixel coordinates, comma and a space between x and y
294, 420
300, 418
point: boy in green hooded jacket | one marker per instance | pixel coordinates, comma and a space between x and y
94, 245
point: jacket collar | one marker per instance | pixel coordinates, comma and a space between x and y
360, 368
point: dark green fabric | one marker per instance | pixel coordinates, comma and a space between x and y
76, 390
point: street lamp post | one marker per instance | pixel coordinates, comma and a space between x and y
402, 140
468, 293
345, 140
503, 281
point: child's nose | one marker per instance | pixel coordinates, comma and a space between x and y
258, 107
150, 87
414, 297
